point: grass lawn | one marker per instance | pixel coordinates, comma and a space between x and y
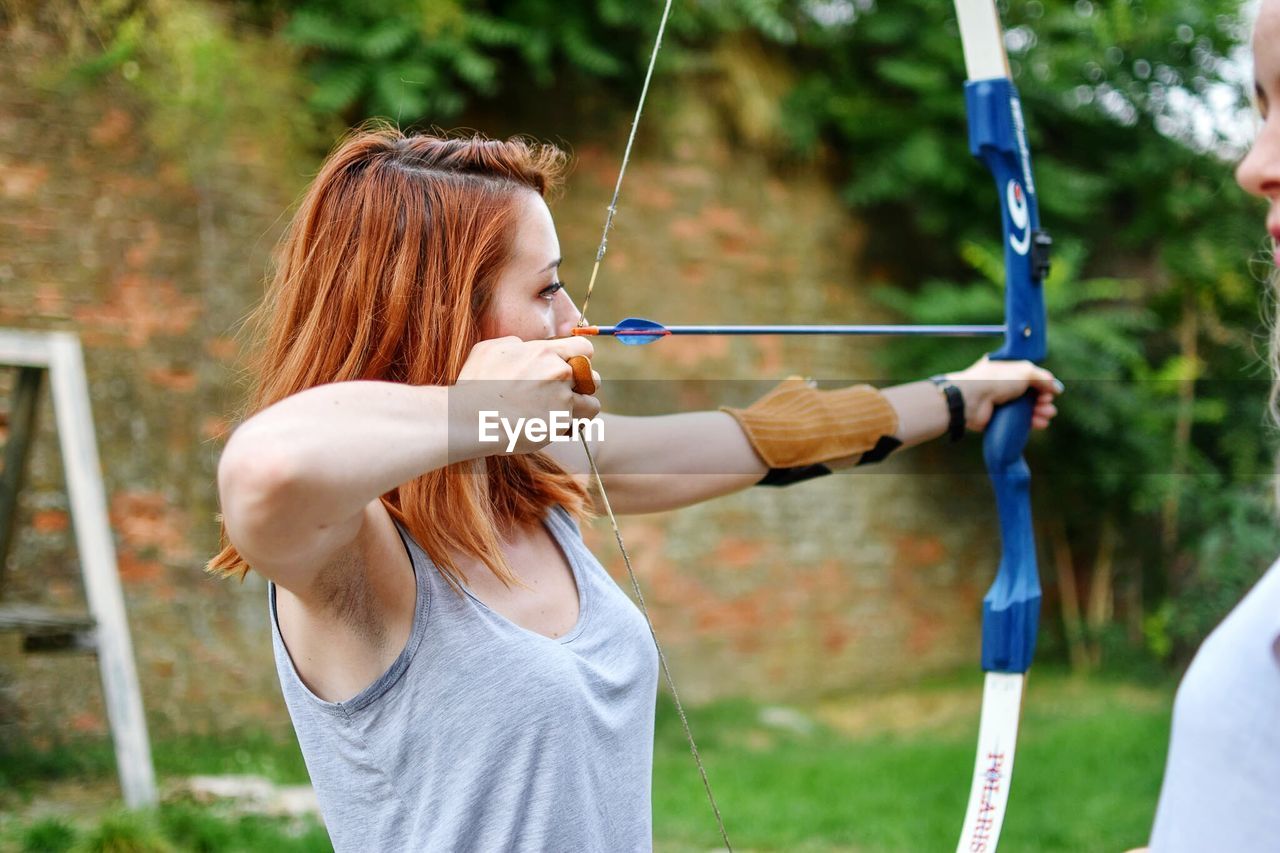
891, 771
882, 771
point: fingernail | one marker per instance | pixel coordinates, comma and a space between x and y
1058, 386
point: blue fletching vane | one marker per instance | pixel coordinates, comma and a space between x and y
637, 331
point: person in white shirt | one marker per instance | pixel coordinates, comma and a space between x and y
1221, 786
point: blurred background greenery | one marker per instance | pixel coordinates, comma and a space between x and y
1152, 491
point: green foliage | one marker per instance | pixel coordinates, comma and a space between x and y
428, 60
175, 825
202, 829
1098, 326
178, 823
410, 60
1153, 328
196, 829
258, 753
51, 835
22, 766
1236, 538
126, 832
216, 97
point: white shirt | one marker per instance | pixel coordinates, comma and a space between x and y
1222, 781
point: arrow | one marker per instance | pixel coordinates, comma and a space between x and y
637, 331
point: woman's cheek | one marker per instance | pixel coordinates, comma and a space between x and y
547, 320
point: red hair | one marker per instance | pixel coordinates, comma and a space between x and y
385, 273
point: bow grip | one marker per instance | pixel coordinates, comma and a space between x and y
1011, 608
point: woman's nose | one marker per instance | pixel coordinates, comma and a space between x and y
567, 314
1259, 172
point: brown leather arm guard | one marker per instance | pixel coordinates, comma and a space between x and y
796, 429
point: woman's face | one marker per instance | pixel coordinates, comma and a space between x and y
1259, 172
529, 301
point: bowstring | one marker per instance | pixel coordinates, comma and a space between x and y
626, 158
604, 496
662, 658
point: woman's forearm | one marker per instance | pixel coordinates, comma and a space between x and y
665, 462
922, 411
332, 449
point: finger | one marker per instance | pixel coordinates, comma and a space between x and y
585, 406
583, 376
1045, 410
1045, 417
1045, 382
581, 407
568, 347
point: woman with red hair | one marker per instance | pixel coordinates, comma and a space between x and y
461, 672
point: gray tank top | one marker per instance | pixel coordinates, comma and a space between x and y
485, 736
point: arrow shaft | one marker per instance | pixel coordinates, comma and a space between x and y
868, 330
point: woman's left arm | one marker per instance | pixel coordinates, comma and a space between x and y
650, 464
662, 462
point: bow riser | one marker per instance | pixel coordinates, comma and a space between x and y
1011, 609
998, 138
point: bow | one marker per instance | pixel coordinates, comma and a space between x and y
1011, 608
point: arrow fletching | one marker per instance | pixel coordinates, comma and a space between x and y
633, 331
637, 331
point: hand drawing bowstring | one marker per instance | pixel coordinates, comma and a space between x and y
604, 496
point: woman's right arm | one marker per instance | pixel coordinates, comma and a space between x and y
295, 478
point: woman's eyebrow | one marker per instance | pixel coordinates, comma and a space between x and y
550, 266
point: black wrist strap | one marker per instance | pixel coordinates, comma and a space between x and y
955, 407
886, 445
789, 476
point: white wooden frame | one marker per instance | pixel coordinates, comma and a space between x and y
61, 355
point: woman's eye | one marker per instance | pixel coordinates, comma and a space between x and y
551, 289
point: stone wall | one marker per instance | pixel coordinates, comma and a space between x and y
153, 260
